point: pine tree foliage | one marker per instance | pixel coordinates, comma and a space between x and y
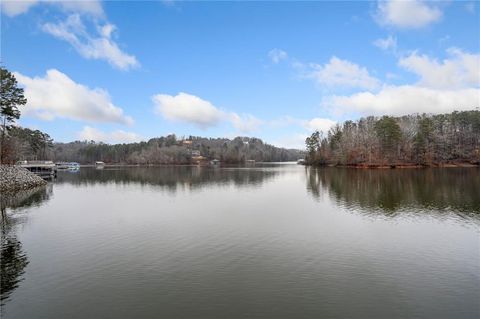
408, 140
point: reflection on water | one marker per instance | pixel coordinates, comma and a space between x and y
172, 178
13, 259
246, 243
391, 192
25, 199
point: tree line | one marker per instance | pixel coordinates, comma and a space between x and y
27, 144
419, 139
173, 150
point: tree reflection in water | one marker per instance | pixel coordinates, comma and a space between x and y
13, 259
172, 178
391, 192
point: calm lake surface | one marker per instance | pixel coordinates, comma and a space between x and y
270, 241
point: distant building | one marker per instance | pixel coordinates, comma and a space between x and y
67, 165
199, 160
187, 142
196, 153
215, 162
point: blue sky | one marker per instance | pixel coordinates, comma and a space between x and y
122, 71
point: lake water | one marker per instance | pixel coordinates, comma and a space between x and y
270, 241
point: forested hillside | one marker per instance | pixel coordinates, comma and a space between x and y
26, 144
408, 140
163, 150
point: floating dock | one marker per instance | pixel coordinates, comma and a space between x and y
44, 169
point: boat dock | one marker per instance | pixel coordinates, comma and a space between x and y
44, 169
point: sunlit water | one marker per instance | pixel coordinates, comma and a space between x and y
270, 241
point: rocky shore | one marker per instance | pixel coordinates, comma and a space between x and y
14, 178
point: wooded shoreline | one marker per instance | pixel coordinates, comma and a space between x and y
418, 140
401, 166
25, 144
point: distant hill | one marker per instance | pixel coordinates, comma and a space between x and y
171, 150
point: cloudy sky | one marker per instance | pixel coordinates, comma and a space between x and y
122, 71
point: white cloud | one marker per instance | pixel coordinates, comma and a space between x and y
302, 127
246, 123
100, 47
311, 125
406, 99
444, 86
277, 55
389, 43
191, 109
319, 124
187, 108
56, 95
459, 71
295, 141
116, 137
343, 73
12, 8
407, 13
106, 30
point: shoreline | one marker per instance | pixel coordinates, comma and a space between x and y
399, 166
14, 178
357, 166
183, 165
